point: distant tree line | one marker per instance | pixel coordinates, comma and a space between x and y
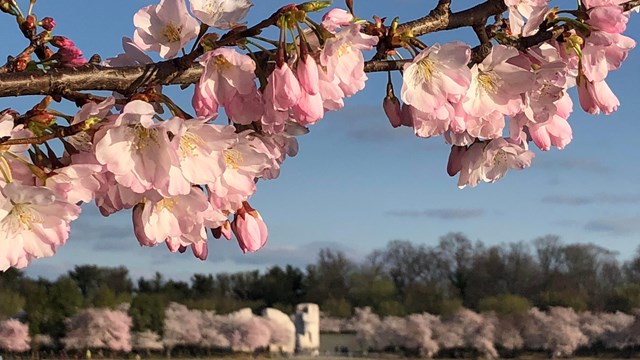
403, 278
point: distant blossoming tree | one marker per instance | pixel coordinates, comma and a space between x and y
146, 341
98, 329
14, 336
181, 326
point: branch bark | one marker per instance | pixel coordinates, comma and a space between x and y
127, 80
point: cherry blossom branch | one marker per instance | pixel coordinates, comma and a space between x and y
183, 71
127, 80
441, 18
59, 132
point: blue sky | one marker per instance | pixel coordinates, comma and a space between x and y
357, 183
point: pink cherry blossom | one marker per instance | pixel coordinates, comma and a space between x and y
307, 73
555, 132
13, 158
532, 10
343, 59
309, 109
222, 14
200, 148
243, 164
498, 83
551, 81
489, 126
227, 74
603, 52
179, 219
490, 161
249, 228
165, 28
244, 109
277, 147
272, 120
330, 91
132, 55
607, 15
433, 123
34, 223
204, 100
437, 75
596, 97
285, 88
76, 182
138, 152
113, 197
336, 18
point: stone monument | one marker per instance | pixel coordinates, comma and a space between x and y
307, 323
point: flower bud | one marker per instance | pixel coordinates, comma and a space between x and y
28, 26
200, 250
48, 23
307, 71
391, 107
223, 230
312, 6
249, 228
61, 42
454, 165
20, 64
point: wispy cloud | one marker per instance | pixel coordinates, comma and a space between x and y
567, 223
611, 199
103, 234
615, 225
583, 164
444, 214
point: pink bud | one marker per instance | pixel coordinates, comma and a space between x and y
307, 72
204, 100
61, 42
48, 23
286, 88
407, 115
249, 228
224, 230
391, 107
138, 226
200, 250
175, 245
455, 159
596, 97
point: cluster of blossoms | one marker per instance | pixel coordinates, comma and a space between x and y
470, 107
184, 177
181, 176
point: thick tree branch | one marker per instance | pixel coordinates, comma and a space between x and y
441, 19
183, 71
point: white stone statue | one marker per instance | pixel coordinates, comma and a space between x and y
308, 328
